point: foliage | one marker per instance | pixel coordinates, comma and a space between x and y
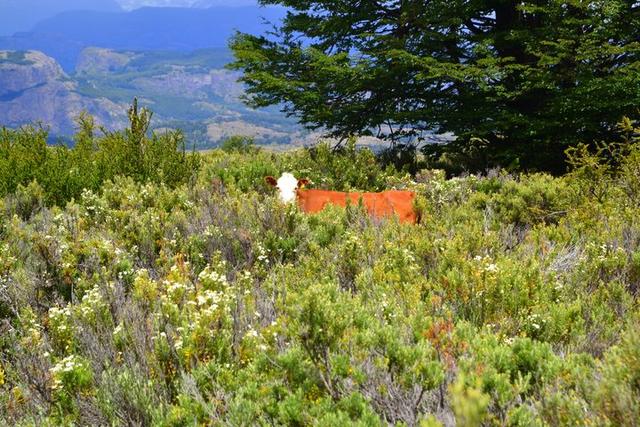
527, 77
241, 144
63, 173
514, 302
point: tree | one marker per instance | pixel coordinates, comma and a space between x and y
539, 74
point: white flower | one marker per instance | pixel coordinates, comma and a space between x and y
491, 268
118, 329
67, 364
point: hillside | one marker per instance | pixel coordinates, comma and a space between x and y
34, 88
189, 91
143, 285
168, 57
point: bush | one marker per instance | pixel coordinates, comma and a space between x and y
64, 173
158, 299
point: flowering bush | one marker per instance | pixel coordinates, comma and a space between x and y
514, 302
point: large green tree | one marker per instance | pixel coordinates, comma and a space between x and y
544, 73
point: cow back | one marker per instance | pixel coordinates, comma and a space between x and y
379, 205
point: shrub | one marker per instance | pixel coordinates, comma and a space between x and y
153, 298
65, 173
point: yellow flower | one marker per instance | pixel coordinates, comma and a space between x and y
1, 375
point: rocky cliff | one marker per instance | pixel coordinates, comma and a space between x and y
96, 60
34, 88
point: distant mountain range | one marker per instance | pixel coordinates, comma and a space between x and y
22, 15
65, 35
171, 59
135, 4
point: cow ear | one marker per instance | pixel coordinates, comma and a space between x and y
271, 181
303, 183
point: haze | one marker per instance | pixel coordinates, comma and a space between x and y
22, 15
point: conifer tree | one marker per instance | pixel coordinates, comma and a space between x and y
543, 73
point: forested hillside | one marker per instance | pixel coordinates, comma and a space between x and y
143, 287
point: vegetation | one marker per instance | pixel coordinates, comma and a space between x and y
64, 173
15, 57
527, 78
158, 298
185, 90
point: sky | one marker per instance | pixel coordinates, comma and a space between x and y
22, 15
132, 4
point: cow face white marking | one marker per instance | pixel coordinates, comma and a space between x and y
287, 185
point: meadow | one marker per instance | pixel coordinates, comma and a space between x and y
141, 285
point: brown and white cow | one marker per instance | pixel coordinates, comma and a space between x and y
379, 205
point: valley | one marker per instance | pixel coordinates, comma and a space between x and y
190, 91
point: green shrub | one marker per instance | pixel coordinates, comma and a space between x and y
65, 173
155, 298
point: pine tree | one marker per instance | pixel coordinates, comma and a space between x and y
539, 73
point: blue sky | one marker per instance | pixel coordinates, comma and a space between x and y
22, 15
131, 4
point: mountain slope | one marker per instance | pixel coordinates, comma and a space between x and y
34, 88
186, 90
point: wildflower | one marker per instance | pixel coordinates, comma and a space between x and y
66, 365
178, 344
491, 268
118, 329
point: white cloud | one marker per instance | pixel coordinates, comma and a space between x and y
134, 4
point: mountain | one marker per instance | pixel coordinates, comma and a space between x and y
190, 91
34, 88
171, 59
22, 15
152, 28
64, 36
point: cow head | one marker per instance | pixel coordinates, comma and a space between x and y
287, 186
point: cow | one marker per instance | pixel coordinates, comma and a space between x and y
379, 205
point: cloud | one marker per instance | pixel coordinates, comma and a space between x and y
135, 4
